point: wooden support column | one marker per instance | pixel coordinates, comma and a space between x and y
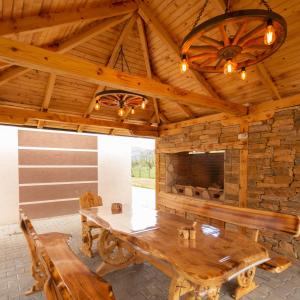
243, 193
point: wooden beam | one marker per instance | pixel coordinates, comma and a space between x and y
44, 21
86, 35
145, 50
267, 80
257, 112
165, 37
37, 58
186, 110
67, 45
49, 91
11, 73
127, 28
19, 116
275, 104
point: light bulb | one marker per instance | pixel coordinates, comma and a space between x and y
229, 67
121, 112
243, 73
143, 105
184, 64
97, 105
132, 110
270, 34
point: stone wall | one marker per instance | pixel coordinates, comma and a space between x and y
274, 172
273, 166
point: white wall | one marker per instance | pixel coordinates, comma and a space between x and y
114, 172
9, 176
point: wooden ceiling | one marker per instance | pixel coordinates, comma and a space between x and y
149, 32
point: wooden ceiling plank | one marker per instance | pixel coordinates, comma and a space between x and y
10, 115
37, 58
11, 73
186, 110
145, 50
45, 21
89, 34
152, 21
267, 80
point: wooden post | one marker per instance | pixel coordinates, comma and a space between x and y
157, 172
243, 193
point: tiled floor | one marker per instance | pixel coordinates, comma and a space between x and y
141, 282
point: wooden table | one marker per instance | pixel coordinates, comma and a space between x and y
195, 266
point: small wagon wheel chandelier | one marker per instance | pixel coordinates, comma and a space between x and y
233, 41
121, 99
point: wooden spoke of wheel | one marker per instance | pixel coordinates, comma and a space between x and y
205, 49
211, 41
240, 31
257, 30
113, 251
224, 35
203, 56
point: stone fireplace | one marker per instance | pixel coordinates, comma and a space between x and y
197, 174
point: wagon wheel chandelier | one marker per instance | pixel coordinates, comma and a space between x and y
121, 99
233, 41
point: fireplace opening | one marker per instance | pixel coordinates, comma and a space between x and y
196, 174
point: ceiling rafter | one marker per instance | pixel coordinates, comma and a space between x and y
260, 68
149, 17
111, 63
44, 21
47, 61
66, 45
145, 50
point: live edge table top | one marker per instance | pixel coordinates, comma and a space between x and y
215, 256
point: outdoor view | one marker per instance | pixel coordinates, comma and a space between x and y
143, 172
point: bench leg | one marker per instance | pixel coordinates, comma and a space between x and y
87, 240
39, 277
246, 283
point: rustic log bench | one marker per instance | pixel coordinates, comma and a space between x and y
58, 271
245, 218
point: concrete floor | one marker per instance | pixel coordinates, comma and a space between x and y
141, 282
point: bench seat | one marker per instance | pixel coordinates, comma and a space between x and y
277, 264
81, 283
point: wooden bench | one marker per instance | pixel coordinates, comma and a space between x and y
245, 218
88, 200
58, 271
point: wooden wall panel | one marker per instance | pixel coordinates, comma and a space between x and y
53, 157
50, 209
55, 169
40, 175
35, 193
56, 140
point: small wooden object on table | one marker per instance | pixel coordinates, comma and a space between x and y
116, 208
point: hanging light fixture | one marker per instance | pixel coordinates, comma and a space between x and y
243, 73
270, 34
233, 41
123, 100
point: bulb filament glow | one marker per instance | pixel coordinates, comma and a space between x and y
184, 64
270, 34
243, 73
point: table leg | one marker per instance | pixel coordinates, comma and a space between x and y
87, 240
179, 287
115, 254
246, 283
213, 293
